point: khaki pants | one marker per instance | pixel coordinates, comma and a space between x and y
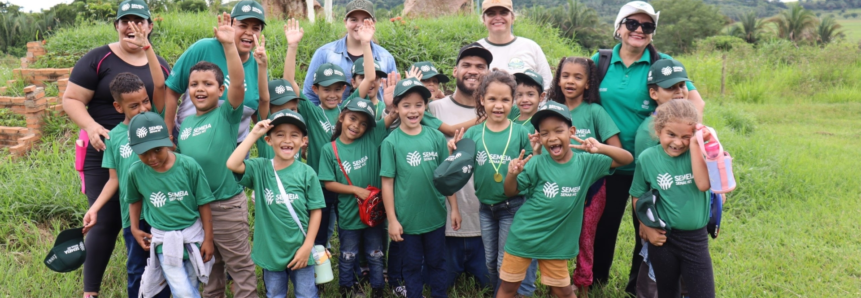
230, 234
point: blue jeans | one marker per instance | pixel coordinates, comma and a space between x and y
395, 264
303, 283
430, 249
495, 222
466, 254
181, 279
372, 240
136, 263
327, 219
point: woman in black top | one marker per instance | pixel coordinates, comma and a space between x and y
89, 103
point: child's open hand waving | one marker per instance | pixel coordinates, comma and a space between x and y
293, 32
224, 33
139, 38
389, 88
366, 31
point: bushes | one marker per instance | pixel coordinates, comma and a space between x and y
722, 43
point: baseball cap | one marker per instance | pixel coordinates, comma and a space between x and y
281, 92
328, 74
551, 108
635, 7
362, 5
647, 211
248, 9
488, 4
146, 131
666, 73
290, 117
68, 252
474, 49
133, 7
406, 85
430, 71
453, 173
363, 106
359, 68
529, 75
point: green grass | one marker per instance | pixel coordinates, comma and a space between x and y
789, 117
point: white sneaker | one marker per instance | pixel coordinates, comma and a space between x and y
400, 291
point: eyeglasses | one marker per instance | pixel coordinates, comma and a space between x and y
631, 25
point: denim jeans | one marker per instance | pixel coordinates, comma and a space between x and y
327, 218
371, 238
182, 279
395, 264
303, 283
466, 254
430, 248
136, 263
495, 222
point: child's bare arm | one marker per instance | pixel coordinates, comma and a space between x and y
207, 248
621, 157
91, 217
455, 212
395, 228
294, 35
236, 161
698, 164
515, 167
341, 188
366, 33
262, 76
143, 238
225, 35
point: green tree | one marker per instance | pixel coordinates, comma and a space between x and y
794, 24
827, 31
684, 21
748, 28
192, 5
576, 21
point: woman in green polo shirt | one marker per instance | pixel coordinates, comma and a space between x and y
625, 96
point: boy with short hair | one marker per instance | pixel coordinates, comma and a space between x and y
209, 137
284, 235
176, 196
373, 85
431, 78
528, 95
557, 182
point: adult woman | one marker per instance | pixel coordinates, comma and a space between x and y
511, 53
628, 105
89, 103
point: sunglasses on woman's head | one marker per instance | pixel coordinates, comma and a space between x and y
632, 24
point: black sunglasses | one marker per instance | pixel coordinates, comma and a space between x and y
631, 25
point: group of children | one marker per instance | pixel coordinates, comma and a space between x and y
556, 149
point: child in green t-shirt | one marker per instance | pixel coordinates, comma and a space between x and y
283, 234
677, 171
431, 78
415, 209
173, 192
372, 85
528, 95
556, 182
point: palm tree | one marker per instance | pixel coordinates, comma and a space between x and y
576, 21
794, 24
748, 27
826, 31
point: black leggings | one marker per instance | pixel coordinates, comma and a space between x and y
102, 238
685, 254
607, 232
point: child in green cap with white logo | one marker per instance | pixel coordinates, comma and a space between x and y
529, 94
172, 190
547, 226
371, 83
287, 213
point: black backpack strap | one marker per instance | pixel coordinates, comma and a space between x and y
604, 57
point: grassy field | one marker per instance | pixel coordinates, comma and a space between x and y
790, 117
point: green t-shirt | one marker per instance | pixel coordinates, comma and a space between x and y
625, 96
379, 107
548, 224
487, 189
527, 124
266, 151
210, 50
276, 236
682, 205
361, 160
592, 121
320, 124
171, 198
645, 138
210, 139
411, 160
120, 157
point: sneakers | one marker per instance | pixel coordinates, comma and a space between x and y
400, 291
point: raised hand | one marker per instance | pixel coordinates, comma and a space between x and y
452, 144
260, 50
224, 33
140, 35
293, 32
389, 88
261, 128
535, 141
515, 166
367, 30
414, 72
590, 145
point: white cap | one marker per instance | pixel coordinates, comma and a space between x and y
635, 7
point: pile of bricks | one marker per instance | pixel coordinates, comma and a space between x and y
34, 51
33, 106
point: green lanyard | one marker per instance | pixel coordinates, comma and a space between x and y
497, 177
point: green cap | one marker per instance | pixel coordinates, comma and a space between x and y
288, 116
359, 68
248, 9
551, 108
406, 85
133, 7
281, 92
453, 173
667, 72
430, 71
68, 252
363, 106
647, 211
146, 131
328, 74
530, 75
363, 5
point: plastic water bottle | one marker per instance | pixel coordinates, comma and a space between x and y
712, 149
323, 269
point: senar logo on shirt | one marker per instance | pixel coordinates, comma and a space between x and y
178, 195
414, 158
570, 191
582, 133
271, 197
185, 133
665, 181
157, 199
481, 158
326, 126
358, 164
428, 156
516, 64
550, 189
347, 167
125, 150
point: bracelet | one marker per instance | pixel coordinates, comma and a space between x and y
146, 47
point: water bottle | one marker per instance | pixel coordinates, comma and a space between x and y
323, 268
712, 149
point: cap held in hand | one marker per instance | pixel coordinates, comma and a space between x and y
454, 172
68, 252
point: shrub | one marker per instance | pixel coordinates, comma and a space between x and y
722, 43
